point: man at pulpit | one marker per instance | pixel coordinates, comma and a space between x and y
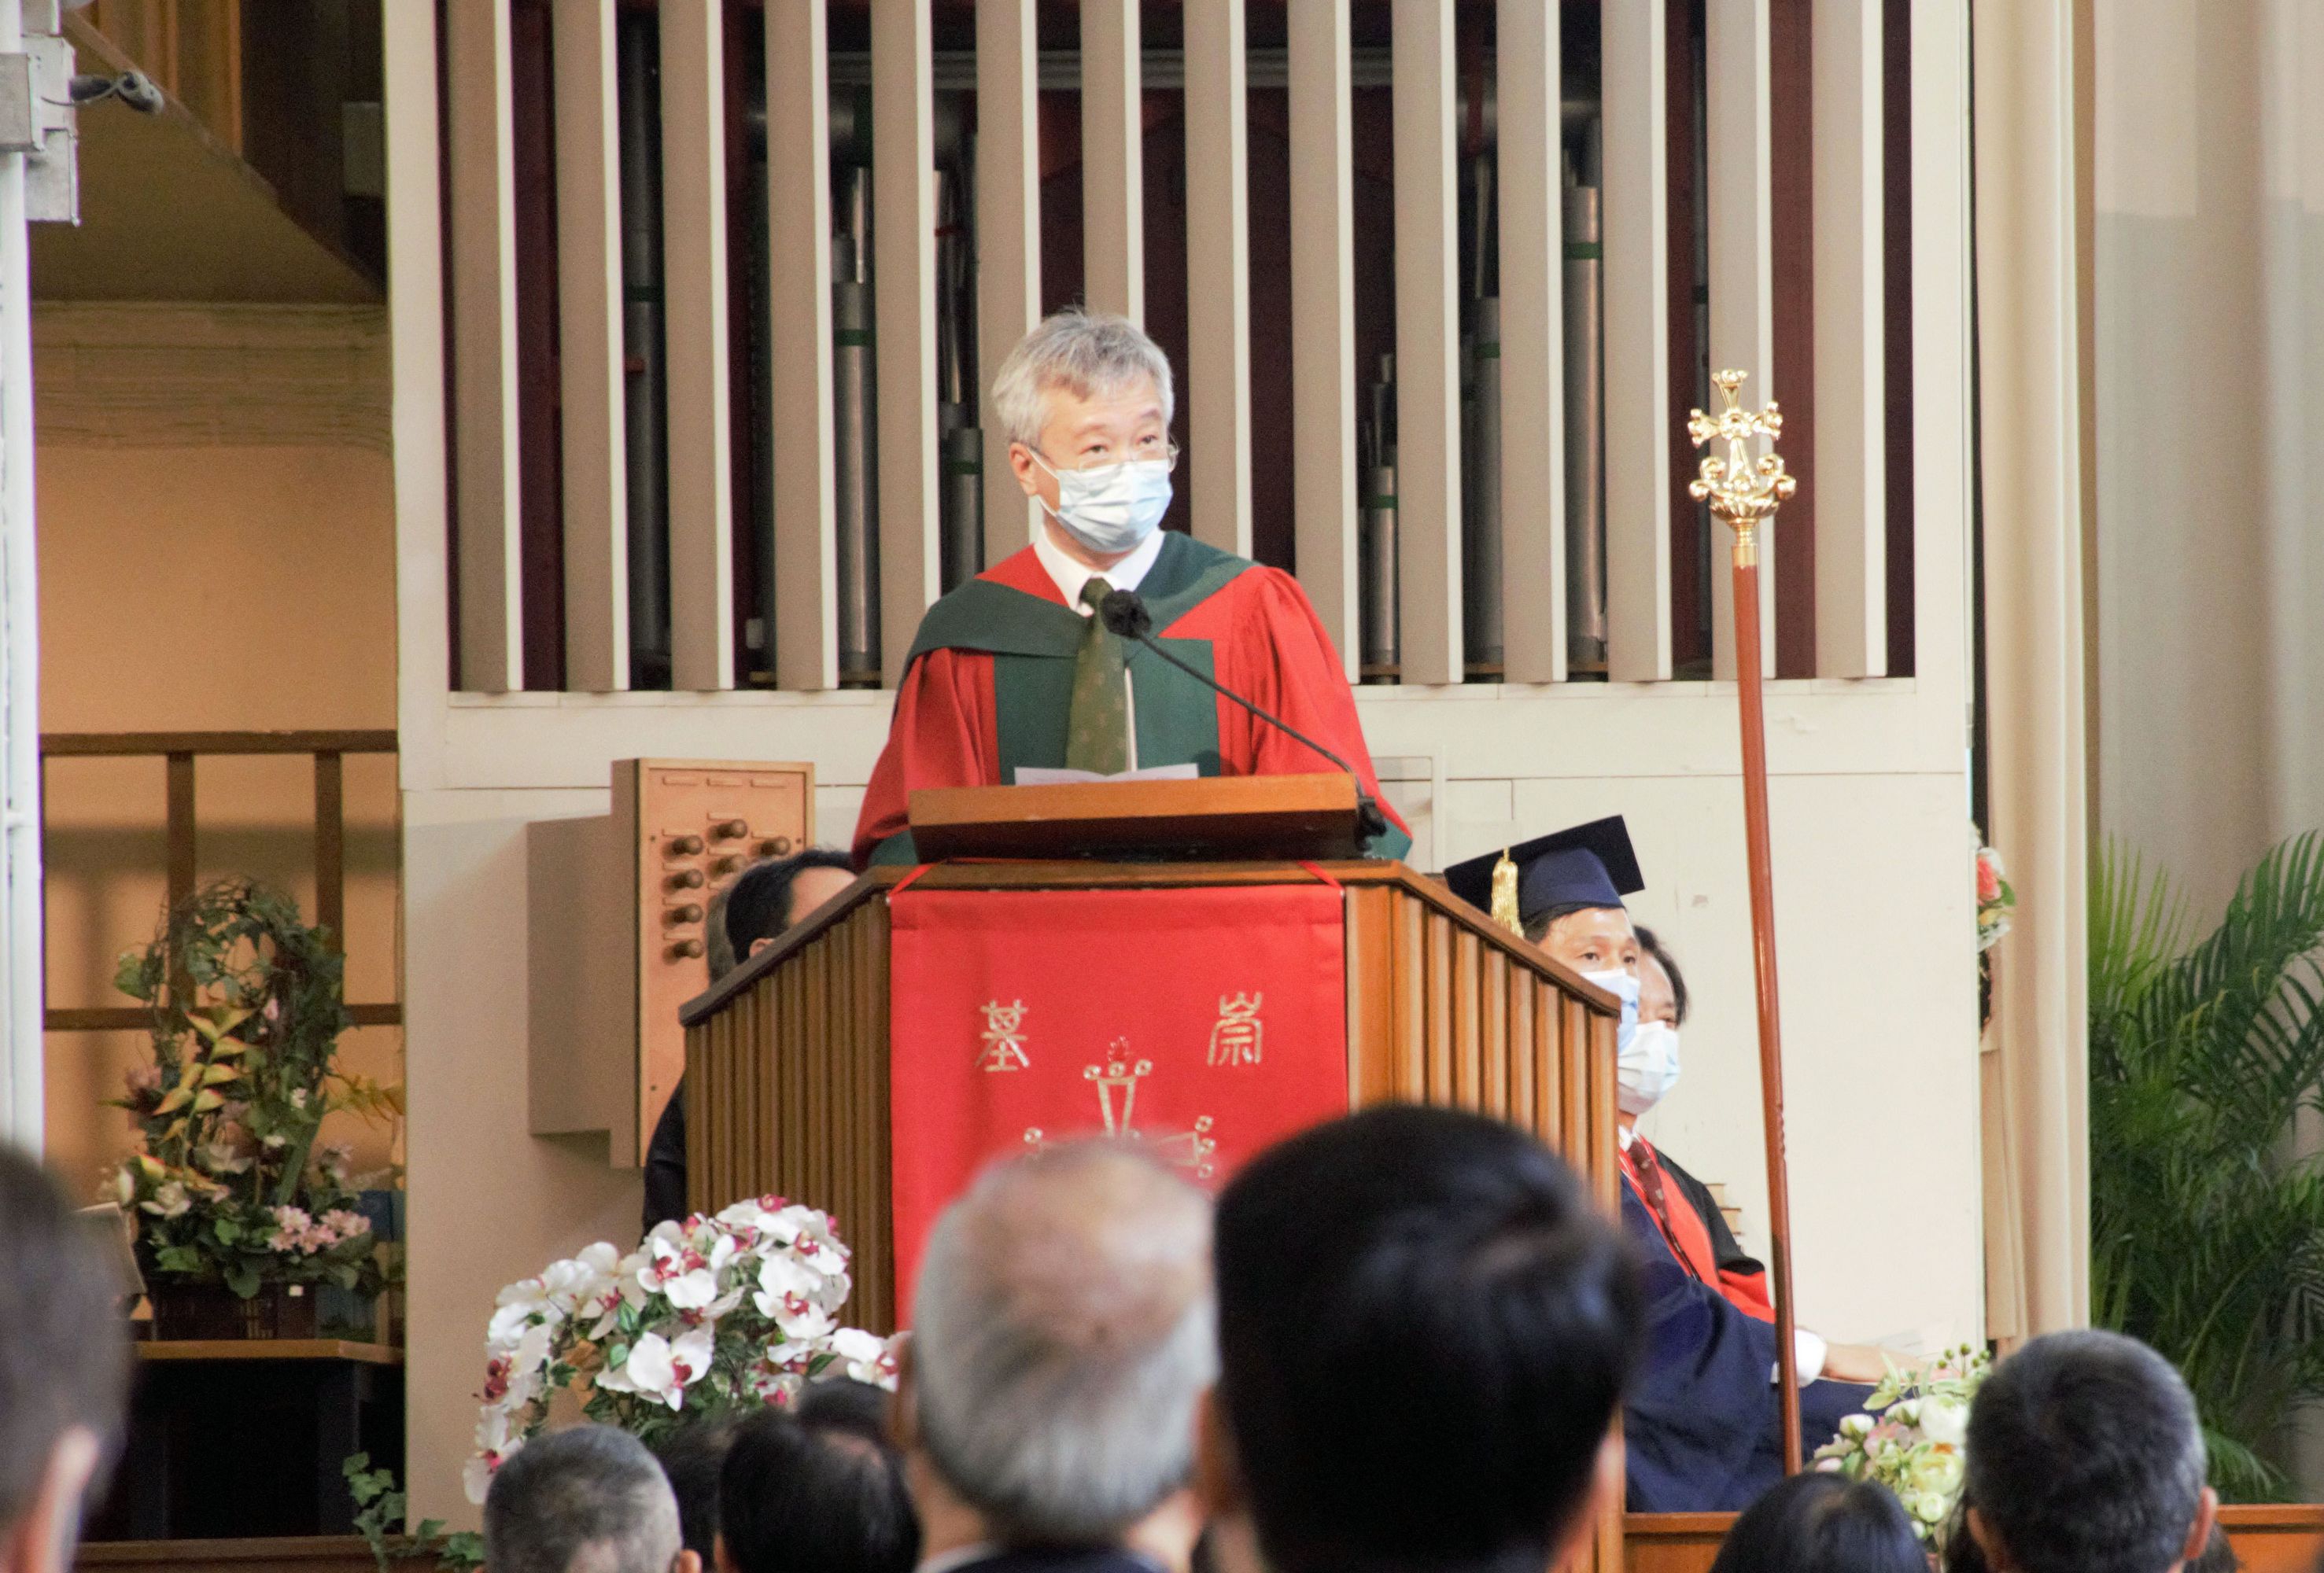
1013, 669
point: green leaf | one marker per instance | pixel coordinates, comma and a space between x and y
226, 1230
242, 1277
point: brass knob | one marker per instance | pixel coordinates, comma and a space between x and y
684, 949
683, 846
775, 847
725, 866
730, 829
687, 879
690, 912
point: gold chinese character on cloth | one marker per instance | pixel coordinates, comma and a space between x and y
1239, 1035
1004, 1040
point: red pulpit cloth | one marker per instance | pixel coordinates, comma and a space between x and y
1204, 1023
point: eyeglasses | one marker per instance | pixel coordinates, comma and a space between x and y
1097, 455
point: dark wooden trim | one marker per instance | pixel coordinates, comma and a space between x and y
1791, 156
362, 1353
1897, 319
540, 475
331, 848
137, 1018
112, 745
1683, 386
1081, 876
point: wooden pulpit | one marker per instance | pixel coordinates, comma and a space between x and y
788, 1057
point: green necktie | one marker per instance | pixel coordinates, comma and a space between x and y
1097, 728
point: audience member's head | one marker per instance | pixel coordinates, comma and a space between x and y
1062, 1336
1823, 1523
1662, 987
1586, 938
691, 1457
818, 1490
586, 1500
2085, 1457
751, 910
63, 1368
1426, 1328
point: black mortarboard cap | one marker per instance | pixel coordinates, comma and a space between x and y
1589, 865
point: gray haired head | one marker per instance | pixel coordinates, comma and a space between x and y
587, 1500
2085, 1455
1064, 1331
1088, 354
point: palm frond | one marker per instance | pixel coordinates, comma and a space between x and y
2206, 1241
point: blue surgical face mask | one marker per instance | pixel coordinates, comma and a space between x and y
1112, 508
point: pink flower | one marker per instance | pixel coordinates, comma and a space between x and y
344, 1225
1988, 877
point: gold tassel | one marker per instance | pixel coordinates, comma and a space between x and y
1505, 895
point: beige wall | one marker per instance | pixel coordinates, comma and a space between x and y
2209, 279
217, 536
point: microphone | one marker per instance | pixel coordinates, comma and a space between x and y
1124, 614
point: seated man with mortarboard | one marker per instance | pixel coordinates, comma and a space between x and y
1702, 1425
1013, 670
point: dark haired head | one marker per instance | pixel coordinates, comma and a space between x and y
1823, 1523
801, 1494
64, 1355
691, 1457
1538, 923
758, 904
1651, 944
842, 1404
1424, 1331
2085, 1457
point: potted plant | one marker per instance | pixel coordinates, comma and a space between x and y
241, 1216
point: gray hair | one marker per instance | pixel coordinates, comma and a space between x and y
1065, 1332
586, 1500
2086, 1456
1084, 353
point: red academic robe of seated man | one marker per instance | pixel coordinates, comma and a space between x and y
988, 686
1690, 1224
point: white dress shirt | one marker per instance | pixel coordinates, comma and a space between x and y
1070, 576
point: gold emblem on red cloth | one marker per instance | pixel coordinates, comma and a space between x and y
1117, 1081
1238, 1037
1004, 1040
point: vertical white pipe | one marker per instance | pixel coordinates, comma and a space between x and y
22, 1092
1323, 317
1218, 274
1427, 344
1637, 344
1114, 159
1533, 345
1742, 275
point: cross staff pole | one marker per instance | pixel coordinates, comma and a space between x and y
1746, 495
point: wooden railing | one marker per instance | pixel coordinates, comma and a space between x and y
328, 750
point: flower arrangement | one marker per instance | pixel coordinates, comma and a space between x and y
1916, 1444
711, 1317
226, 1181
1995, 899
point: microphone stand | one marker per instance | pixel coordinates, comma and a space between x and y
1124, 614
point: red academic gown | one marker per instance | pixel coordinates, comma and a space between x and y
1252, 623
1689, 1220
